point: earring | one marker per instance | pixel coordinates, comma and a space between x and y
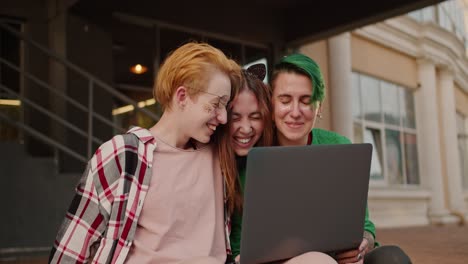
319, 115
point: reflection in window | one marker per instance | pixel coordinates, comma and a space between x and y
373, 136
394, 136
393, 157
371, 104
407, 108
390, 103
411, 155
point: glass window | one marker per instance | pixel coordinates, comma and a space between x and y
390, 106
371, 104
393, 156
356, 96
10, 106
358, 135
428, 13
373, 136
417, 15
411, 158
394, 138
463, 147
407, 108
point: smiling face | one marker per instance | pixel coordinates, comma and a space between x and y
206, 110
293, 113
247, 124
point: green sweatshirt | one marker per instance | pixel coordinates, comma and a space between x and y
319, 137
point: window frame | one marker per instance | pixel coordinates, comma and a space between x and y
382, 126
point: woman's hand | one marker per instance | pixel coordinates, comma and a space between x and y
355, 256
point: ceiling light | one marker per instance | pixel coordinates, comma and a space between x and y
138, 69
10, 102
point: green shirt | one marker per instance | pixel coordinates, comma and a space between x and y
319, 137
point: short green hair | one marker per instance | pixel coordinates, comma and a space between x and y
301, 64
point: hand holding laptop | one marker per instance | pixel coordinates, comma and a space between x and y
354, 256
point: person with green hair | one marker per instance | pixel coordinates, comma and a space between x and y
298, 92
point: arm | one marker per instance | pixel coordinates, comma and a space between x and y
84, 224
369, 231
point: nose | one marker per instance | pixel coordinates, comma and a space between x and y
295, 111
221, 115
245, 126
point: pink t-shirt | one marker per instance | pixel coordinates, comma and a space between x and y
183, 214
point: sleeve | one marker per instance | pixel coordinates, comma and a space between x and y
235, 236
84, 224
369, 227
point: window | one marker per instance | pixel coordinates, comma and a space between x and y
449, 16
462, 129
10, 82
384, 116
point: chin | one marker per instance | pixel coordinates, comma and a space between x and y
241, 152
203, 139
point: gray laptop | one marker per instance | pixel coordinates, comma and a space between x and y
300, 199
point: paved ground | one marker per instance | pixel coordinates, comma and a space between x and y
430, 244
425, 245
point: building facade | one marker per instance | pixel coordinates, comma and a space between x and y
402, 85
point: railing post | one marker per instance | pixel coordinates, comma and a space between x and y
90, 118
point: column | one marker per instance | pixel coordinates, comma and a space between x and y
339, 52
429, 144
449, 139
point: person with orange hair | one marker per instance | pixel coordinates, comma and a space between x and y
157, 196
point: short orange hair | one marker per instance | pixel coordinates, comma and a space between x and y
191, 66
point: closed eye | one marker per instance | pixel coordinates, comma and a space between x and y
256, 116
305, 99
235, 117
285, 99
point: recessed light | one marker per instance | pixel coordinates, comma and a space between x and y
138, 69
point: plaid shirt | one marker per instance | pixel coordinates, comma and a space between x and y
100, 224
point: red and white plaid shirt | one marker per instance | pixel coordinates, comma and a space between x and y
100, 224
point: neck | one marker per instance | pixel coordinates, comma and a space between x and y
170, 131
283, 141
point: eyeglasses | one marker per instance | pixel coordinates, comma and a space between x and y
221, 103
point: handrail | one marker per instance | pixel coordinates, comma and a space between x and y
86, 108
33, 132
86, 74
50, 114
61, 94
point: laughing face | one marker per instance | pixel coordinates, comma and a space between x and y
293, 114
246, 122
207, 110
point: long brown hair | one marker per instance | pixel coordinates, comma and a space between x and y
226, 153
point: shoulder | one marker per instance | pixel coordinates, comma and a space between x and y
130, 141
121, 150
322, 136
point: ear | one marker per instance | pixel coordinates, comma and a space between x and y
181, 96
319, 110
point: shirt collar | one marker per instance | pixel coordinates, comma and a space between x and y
143, 134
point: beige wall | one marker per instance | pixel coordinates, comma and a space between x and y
384, 63
461, 100
318, 51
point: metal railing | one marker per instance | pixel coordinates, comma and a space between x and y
88, 109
